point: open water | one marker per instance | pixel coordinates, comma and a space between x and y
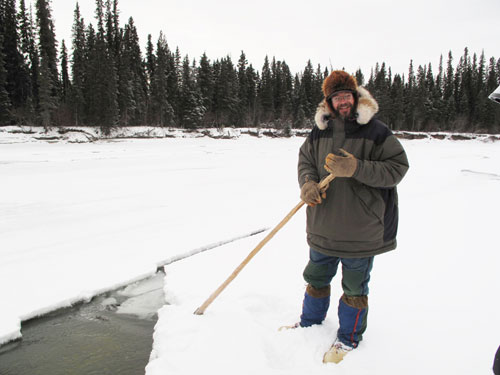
110, 335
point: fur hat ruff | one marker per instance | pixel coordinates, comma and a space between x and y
338, 80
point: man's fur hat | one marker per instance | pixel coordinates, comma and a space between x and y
338, 80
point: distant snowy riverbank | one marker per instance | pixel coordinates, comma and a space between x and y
20, 134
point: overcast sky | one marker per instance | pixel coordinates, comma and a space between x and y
348, 34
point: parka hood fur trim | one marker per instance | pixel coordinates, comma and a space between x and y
366, 109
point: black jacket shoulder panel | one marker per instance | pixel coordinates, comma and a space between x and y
375, 131
317, 133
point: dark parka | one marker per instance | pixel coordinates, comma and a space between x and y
359, 216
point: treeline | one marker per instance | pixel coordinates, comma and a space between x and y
107, 82
453, 99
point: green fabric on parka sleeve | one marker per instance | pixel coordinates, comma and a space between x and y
387, 167
307, 164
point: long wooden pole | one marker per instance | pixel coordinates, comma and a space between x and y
200, 310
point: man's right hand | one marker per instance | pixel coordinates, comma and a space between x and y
311, 193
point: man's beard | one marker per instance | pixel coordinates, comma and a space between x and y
347, 115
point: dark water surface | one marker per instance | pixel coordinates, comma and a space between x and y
95, 338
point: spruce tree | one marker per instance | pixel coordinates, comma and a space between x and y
266, 93
48, 78
449, 110
410, 104
360, 78
162, 112
277, 83
64, 113
308, 83
31, 59
439, 78
433, 101
243, 101
460, 98
65, 82
35, 64
150, 59
102, 64
116, 16
113, 31
206, 86
380, 87
252, 83
48, 102
5, 104
149, 72
90, 79
138, 79
448, 80
191, 104
47, 40
99, 15
317, 94
396, 96
125, 85
225, 92
300, 120
286, 96
422, 117
78, 68
482, 96
17, 75
282, 94
174, 79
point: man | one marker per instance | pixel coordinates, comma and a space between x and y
357, 217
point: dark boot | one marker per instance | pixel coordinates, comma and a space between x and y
315, 306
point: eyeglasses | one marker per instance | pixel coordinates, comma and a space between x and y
342, 98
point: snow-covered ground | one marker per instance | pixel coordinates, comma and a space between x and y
78, 219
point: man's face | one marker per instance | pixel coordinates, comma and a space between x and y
343, 103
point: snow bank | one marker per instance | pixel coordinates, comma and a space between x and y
10, 326
24, 134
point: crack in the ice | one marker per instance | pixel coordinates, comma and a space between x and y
187, 254
486, 174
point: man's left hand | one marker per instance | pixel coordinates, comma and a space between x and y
341, 166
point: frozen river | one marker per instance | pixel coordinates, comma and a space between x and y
78, 220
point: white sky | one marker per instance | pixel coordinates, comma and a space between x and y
351, 34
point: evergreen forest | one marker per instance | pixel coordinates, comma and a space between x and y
109, 81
